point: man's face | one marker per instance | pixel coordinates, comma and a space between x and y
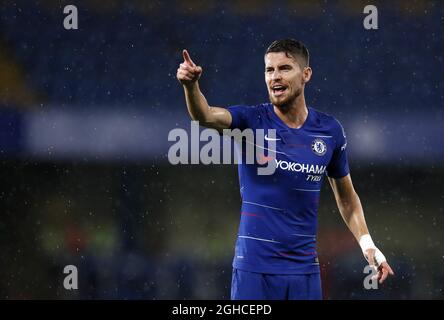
284, 78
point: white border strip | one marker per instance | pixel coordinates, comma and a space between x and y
266, 240
306, 190
261, 205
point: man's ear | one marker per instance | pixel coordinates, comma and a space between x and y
306, 74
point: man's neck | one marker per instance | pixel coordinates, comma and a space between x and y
295, 114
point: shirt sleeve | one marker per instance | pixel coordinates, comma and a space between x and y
338, 166
241, 116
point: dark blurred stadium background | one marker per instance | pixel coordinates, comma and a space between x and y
85, 116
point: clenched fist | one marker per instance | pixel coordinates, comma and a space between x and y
188, 73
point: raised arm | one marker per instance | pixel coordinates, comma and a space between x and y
351, 211
188, 75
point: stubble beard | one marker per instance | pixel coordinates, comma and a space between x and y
284, 104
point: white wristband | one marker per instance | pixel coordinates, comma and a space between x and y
366, 242
379, 257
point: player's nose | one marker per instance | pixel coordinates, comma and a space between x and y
276, 75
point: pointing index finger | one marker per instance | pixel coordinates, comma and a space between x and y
186, 58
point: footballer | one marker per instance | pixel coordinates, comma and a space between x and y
275, 255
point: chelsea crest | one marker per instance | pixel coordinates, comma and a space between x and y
319, 147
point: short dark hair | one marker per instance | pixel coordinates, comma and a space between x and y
292, 48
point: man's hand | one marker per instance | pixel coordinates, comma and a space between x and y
198, 107
383, 268
188, 73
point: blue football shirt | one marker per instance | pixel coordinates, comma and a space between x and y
278, 224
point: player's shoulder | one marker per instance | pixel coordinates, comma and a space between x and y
247, 107
256, 110
260, 107
325, 120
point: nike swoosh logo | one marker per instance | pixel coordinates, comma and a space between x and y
271, 139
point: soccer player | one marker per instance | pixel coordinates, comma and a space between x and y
275, 255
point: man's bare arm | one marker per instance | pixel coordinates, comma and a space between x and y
188, 75
350, 207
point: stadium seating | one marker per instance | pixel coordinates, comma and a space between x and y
129, 57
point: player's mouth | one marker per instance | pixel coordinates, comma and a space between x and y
278, 89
